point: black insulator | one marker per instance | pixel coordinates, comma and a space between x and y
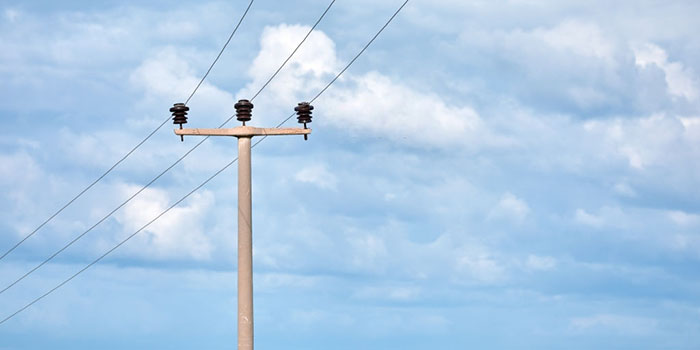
179, 111
244, 110
303, 110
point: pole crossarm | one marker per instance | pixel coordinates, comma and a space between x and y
243, 131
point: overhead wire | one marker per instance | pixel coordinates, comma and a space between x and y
143, 188
203, 183
80, 194
293, 52
220, 53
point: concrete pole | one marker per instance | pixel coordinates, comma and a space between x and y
245, 247
245, 218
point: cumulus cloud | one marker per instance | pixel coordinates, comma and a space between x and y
547, 108
645, 142
479, 266
368, 103
168, 76
379, 250
680, 80
571, 65
177, 235
582, 146
581, 38
165, 74
375, 104
304, 75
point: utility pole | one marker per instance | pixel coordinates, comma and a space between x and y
245, 228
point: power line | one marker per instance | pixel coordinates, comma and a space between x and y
118, 245
220, 52
200, 185
45, 261
351, 61
293, 52
203, 183
80, 194
343, 70
99, 221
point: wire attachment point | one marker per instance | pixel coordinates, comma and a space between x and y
244, 110
179, 111
303, 110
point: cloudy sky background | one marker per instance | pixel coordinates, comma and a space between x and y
489, 174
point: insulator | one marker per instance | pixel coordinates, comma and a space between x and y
304, 112
244, 110
179, 111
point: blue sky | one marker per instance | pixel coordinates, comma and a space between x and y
489, 174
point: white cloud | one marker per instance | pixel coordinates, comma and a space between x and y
18, 168
617, 323
317, 175
589, 219
480, 266
369, 252
644, 142
581, 38
22, 182
302, 75
441, 244
691, 122
620, 218
381, 107
681, 218
509, 207
379, 250
624, 189
684, 242
167, 75
179, 234
570, 63
680, 80
536, 262
95, 39
370, 104
316, 56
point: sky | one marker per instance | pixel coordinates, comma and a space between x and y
489, 174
